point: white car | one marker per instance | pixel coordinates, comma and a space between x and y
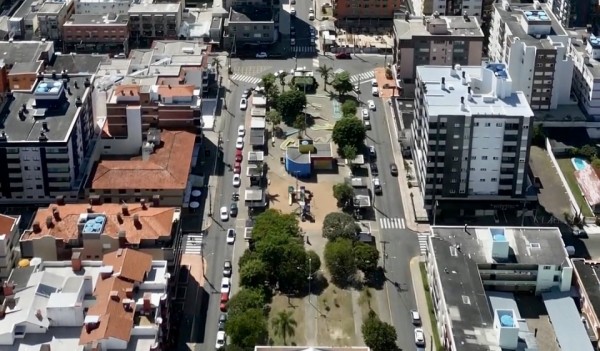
367, 125
224, 213
262, 55
237, 181
415, 317
230, 236
419, 337
239, 143
371, 104
243, 104
375, 91
293, 11
373, 82
220, 340
365, 113
241, 131
225, 285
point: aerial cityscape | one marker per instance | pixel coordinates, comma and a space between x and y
299, 175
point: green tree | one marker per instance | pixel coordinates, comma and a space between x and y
349, 131
349, 108
292, 269
588, 151
290, 104
325, 72
247, 256
282, 76
271, 90
315, 262
341, 83
349, 152
246, 299
275, 222
274, 117
284, 325
216, 63
339, 225
596, 163
300, 124
344, 194
339, 259
539, 136
254, 273
366, 256
378, 335
247, 328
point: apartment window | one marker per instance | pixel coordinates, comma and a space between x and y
455, 147
498, 124
453, 181
452, 191
453, 169
495, 158
455, 159
483, 169
484, 158
476, 124
482, 180
456, 136
122, 191
473, 169
494, 179
473, 158
488, 124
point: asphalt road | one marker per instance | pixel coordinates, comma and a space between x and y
400, 244
216, 250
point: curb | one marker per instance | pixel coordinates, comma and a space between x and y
419, 290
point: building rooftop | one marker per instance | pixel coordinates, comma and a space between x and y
531, 24
250, 14
485, 90
137, 222
257, 137
77, 63
167, 167
433, 27
92, 20
26, 8
50, 109
157, 8
589, 274
583, 48
566, 319
25, 67
311, 348
51, 7
8, 224
25, 51
459, 254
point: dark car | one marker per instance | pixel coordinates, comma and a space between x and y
372, 152
233, 209
394, 169
374, 170
222, 320
246, 93
343, 56
227, 269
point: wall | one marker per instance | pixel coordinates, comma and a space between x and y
44, 248
297, 169
132, 143
574, 206
22, 81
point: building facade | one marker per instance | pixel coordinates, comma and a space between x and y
366, 10
157, 20
436, 40
96, 33
9, 248
249, 26
585, 50
471, 138
531, 42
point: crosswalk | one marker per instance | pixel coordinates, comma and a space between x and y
392, 223
361, 77
304, 49
193, 244
423, 238
245, 78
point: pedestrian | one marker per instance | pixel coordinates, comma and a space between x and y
308, 241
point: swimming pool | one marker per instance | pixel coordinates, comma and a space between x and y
579, 163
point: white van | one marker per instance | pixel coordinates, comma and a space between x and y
373, 82
375, 91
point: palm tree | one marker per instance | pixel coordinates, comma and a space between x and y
325, 72
284, 325
216, 63
274, 117
282, 76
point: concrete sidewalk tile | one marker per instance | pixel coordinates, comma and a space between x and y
420, 296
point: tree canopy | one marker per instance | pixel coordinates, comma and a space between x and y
378, 335
271, 90
349, 131
349, 152
338, 225
275, 222
248, 328
340, 262
349, 108
344, 194
254, 273
246, 299
341, 83
366, 257
290, 104
284, 325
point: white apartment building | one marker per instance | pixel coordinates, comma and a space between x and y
585, 50
533, 44
96, 7
471, 138
472, 274
118, 303
155, 20
40, 19
9, 244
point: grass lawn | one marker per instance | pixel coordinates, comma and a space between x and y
282, 303
367, 302
567, 169
337, 327
433, 328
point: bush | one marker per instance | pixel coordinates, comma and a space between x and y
388, 73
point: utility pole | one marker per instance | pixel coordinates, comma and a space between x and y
309, 277
209, 202
384, 243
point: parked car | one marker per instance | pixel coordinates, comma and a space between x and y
243, 104
262, 55
419, 337
343, 56
365, 113
394, 169
227, 269
237, 167
367, 125
374, 170
223, 307
220, 340
375, 91
239, 143
236, 181
241, 131
371, 104
377, 189
239, 154
373, 82
246, 93
225, 285
222, 320
224, 214
224, 297
372, 152
415, 317
233, 209
230, 236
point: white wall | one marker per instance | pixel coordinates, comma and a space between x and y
486, 155
133, 143
99, 7
70, 316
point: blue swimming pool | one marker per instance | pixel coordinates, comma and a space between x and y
579, 163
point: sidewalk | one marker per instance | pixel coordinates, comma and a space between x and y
421, 300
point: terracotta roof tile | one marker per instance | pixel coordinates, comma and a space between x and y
154, 222
176, 90
167, 169
127, 90
6, 224
115, 321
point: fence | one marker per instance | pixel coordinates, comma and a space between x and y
574, 206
